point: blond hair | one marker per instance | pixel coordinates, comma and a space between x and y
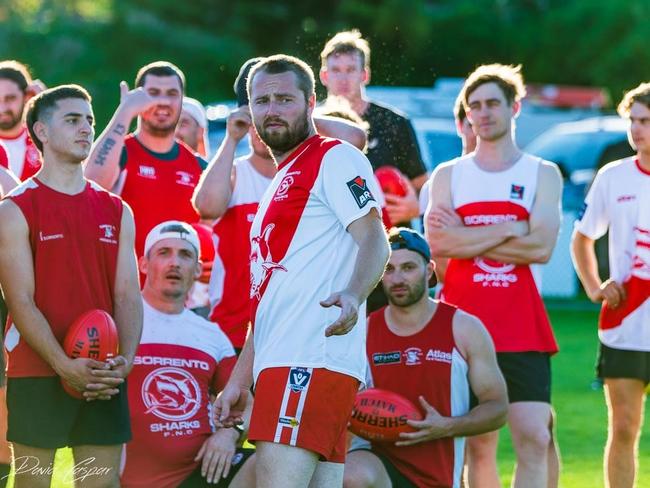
640, 94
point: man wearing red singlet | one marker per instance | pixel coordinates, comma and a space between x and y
430, 353
230, 191
16, 88
619, 203
152, 171
66, 247
494, 212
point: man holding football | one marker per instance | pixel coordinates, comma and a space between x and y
430, 353
66, 247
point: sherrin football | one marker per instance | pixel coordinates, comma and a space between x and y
381, 415
392, 181
93, 335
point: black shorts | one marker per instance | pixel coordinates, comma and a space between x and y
621, 363
196, 480
527, 375
42, 414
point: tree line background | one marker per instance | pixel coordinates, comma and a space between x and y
97, 43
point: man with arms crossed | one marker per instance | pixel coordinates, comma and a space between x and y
619, 201
153, 172
431, 353
182, 360
66, 247
493, 213
317, 244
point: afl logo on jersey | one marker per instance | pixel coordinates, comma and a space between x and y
285, 184
171, 394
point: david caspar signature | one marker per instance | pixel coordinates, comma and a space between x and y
79, 472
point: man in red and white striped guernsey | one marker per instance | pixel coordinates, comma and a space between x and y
619, 202
431, 353
317, 245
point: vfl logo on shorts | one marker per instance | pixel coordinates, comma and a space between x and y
359, 189
393, 357
298, 379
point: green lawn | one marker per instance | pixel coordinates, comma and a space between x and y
581, 414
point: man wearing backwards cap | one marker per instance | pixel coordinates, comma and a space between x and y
192, 127
182, 361
229, 191
440, 351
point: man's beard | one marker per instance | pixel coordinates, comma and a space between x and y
160, 130
416, 291
281, 142
13, 122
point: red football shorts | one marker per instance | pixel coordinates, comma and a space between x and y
304, 407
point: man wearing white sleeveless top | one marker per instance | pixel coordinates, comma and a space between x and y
619, 202
493, 213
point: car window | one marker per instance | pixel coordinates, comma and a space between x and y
438, 147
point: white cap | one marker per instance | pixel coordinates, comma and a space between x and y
196, 110
172, 229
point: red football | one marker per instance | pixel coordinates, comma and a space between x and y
392, 181
93, 335
381, 415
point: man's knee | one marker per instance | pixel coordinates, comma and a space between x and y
481, 447
534, 438
363, 469
624, 429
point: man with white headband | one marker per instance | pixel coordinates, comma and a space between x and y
182, 361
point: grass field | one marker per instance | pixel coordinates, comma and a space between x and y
581, 413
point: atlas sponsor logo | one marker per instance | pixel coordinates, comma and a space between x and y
491, 219
381, 358
494, 273
439, 356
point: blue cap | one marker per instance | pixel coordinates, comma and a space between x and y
405, 238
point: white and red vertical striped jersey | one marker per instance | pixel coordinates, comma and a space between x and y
230, 278
427, 363
301, 253
23, 158
619, 201
182, 359
504, 296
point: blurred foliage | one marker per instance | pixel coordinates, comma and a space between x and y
97, 43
